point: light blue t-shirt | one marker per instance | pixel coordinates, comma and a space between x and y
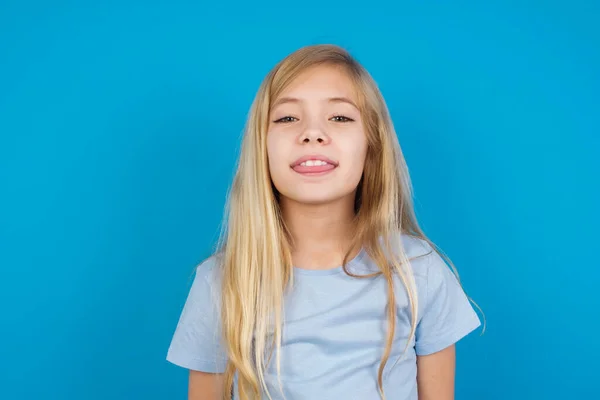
335, 328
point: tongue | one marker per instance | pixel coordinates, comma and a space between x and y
314, 169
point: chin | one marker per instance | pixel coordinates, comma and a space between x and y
312, 199
315, 201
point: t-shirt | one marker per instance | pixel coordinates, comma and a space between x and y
335, 328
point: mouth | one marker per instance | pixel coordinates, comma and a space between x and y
314, 165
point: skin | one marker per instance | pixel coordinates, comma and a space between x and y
317, 115
435, 375
205, 386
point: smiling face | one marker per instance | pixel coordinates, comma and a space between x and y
316, 142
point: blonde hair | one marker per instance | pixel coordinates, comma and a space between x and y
255, 247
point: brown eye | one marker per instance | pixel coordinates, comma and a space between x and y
341, 118
285, 120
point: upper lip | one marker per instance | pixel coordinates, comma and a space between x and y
314, 157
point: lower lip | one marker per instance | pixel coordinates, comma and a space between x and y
314, 170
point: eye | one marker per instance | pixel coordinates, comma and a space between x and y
284, 120
341, 118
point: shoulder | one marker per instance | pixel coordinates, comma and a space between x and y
433, 276
414, 247
426, 263
196, 342
413, 251
209, 268
419, 253
207, 279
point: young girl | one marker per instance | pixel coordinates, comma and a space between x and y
324, 286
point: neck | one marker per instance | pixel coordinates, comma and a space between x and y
321, 233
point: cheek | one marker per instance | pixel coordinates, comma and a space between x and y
363, 150
276, 155
273, 148
357, 152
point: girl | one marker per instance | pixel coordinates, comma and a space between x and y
324, 286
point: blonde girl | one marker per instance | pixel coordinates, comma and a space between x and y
324, 286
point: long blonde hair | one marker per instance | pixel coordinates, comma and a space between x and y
255, 247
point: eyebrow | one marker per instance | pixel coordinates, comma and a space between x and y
342, 99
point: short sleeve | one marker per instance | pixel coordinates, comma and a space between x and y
447, 315
196, 343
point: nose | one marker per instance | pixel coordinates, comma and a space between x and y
314, 133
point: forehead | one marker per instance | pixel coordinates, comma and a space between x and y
321, 82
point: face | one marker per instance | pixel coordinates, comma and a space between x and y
316, 143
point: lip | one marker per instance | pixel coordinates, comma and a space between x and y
314, 157
316, 170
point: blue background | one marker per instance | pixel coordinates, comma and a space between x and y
120, 124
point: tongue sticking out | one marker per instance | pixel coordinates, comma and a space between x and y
305, 169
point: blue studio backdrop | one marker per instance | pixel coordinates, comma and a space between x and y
119, 128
